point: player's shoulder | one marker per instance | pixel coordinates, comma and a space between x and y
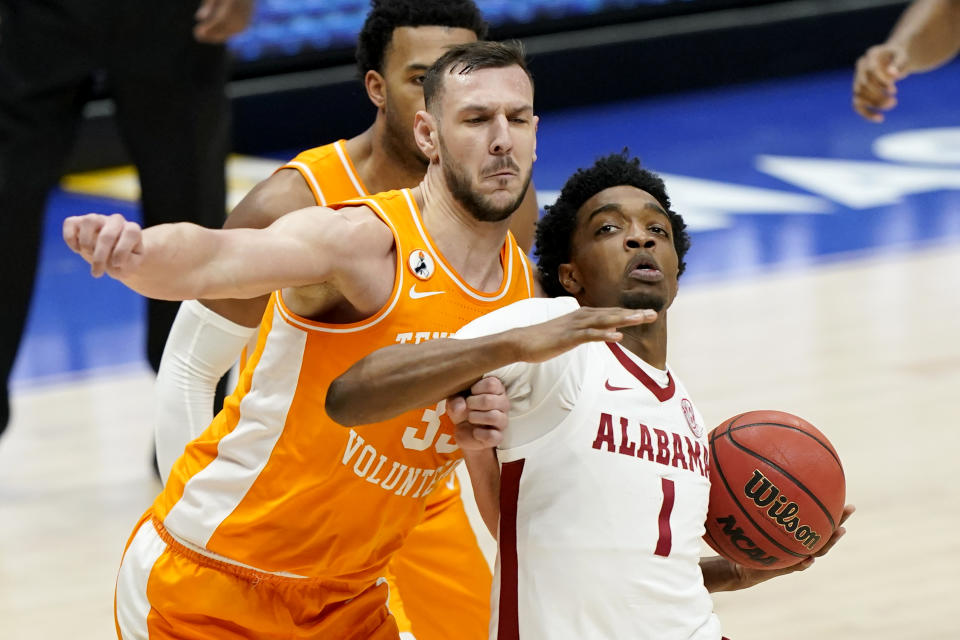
522, 313
316, 155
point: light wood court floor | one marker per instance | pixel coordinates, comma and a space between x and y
866, 349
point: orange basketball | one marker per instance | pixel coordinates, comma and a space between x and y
777, 489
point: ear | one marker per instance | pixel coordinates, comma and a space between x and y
376, 88
569, 277
536, 121
426, 135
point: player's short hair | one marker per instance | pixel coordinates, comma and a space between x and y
466, 58
555, 229
387, 15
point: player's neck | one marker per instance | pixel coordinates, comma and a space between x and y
381, 163
470, 246
648, 341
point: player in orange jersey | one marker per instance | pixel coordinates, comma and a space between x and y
276, 520
431, 596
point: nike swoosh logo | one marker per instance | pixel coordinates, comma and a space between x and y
610, 387
416, 295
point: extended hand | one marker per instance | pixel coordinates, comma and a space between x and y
481, 417
111, 244
546, 340
749, 577
874, 83
217, 20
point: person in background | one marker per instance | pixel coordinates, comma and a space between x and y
164, 65
926, 37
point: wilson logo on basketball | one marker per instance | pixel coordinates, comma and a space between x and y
763, 492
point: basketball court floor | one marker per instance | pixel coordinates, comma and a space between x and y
824, 280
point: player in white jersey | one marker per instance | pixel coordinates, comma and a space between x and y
603, 484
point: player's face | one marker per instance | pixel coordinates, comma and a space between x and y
623, 253
408, 56
487, 136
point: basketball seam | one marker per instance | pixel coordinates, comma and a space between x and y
783, 471
827, 447
757, 527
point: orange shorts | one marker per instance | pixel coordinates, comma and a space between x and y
439, 580
165, 590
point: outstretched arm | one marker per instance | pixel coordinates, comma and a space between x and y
926, 36
402, 377
183, 261
720, 574
207, 336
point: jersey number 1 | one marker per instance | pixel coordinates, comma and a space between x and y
663, 522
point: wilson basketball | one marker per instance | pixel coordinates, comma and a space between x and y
777, 489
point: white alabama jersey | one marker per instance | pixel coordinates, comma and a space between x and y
604, 491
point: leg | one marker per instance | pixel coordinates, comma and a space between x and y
174, 117
441, 574
42, 90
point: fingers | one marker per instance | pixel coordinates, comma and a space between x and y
108, 243
834, 539
596, 324
874, 83
482, 416
128, 249
457, 409
848, 510
490, 384
71, 233
104, 244
203, 12
615, 317
472, 437
88, 227
487, 410
217, 20
840, 531
487, 437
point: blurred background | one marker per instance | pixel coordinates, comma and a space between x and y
824, 280
297, 57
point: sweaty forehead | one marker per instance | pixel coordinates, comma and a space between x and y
487, 87
627, 198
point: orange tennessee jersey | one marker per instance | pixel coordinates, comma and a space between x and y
274, 483
332, 177
329, 173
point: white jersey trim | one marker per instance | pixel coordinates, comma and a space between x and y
338, 145
214, 492
527, 268
306, 325
308, 174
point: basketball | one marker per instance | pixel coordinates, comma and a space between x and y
777, 489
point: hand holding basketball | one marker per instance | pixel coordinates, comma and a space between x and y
777, 491
746, 577
111, 244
